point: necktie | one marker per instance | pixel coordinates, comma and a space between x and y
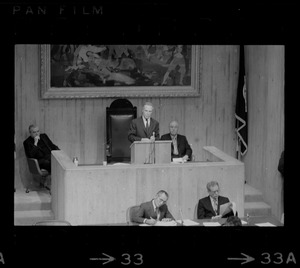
216, 206
157, 213
175, 146
147, 126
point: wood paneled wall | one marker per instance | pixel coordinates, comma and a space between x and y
78, 125
266, 122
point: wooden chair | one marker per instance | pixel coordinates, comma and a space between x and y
130, 212
37, 172
52, 223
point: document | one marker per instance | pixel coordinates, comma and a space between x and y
265, 224
178, 160
211, 223
226, 208
188, 222
165, 223
161, 223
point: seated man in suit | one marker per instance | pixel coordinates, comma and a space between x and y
209, 207
144, 128
180, 147
154, 210
39, 146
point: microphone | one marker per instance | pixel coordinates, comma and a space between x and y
154, 148
181, 217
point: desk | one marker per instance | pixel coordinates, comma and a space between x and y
252, 222
96, 194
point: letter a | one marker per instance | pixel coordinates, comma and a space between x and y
291, 257
1, 258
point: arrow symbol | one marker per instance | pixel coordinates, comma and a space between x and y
108, 259
246, 259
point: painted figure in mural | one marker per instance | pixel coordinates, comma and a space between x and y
89, 65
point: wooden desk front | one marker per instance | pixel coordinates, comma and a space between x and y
102, 194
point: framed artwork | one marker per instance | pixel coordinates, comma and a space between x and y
97, 71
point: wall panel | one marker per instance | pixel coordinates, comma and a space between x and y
78, 125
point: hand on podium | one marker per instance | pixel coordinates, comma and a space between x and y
152, 138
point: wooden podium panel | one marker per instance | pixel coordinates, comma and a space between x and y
97, 194
146, 152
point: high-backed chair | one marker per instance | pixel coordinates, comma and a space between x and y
130, 212
118, 118
52, 223
42, 174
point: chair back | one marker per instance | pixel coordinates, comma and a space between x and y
52, 223
34, 167
130, 212
196, 211
118, 118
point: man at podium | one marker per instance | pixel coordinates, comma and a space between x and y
144, 128
180, 147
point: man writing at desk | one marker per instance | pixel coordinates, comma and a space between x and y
154, 210
144, 128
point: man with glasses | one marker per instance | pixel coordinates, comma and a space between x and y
209, 207
155, 210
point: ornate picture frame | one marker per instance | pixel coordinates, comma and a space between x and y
99, 71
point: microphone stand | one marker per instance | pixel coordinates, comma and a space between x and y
154, 148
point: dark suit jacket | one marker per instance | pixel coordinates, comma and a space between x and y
137, 129
37, 152
281, 164
206, 211
146, 211
183, 146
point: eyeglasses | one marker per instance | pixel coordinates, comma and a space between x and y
161, 200
214, 192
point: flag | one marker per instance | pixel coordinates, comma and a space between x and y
241, 115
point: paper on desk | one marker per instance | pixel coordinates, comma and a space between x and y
161, 223
211, 223
178, 160
165, 223
188, 222
265, 224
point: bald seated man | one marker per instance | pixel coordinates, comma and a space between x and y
180, 147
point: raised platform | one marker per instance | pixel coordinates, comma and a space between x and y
92, 194
32, 207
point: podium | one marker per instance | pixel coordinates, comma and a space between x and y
147, 152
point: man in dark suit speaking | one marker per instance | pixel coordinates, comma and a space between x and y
154, 210
180, 147
209, 207
39, 146
144, 128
